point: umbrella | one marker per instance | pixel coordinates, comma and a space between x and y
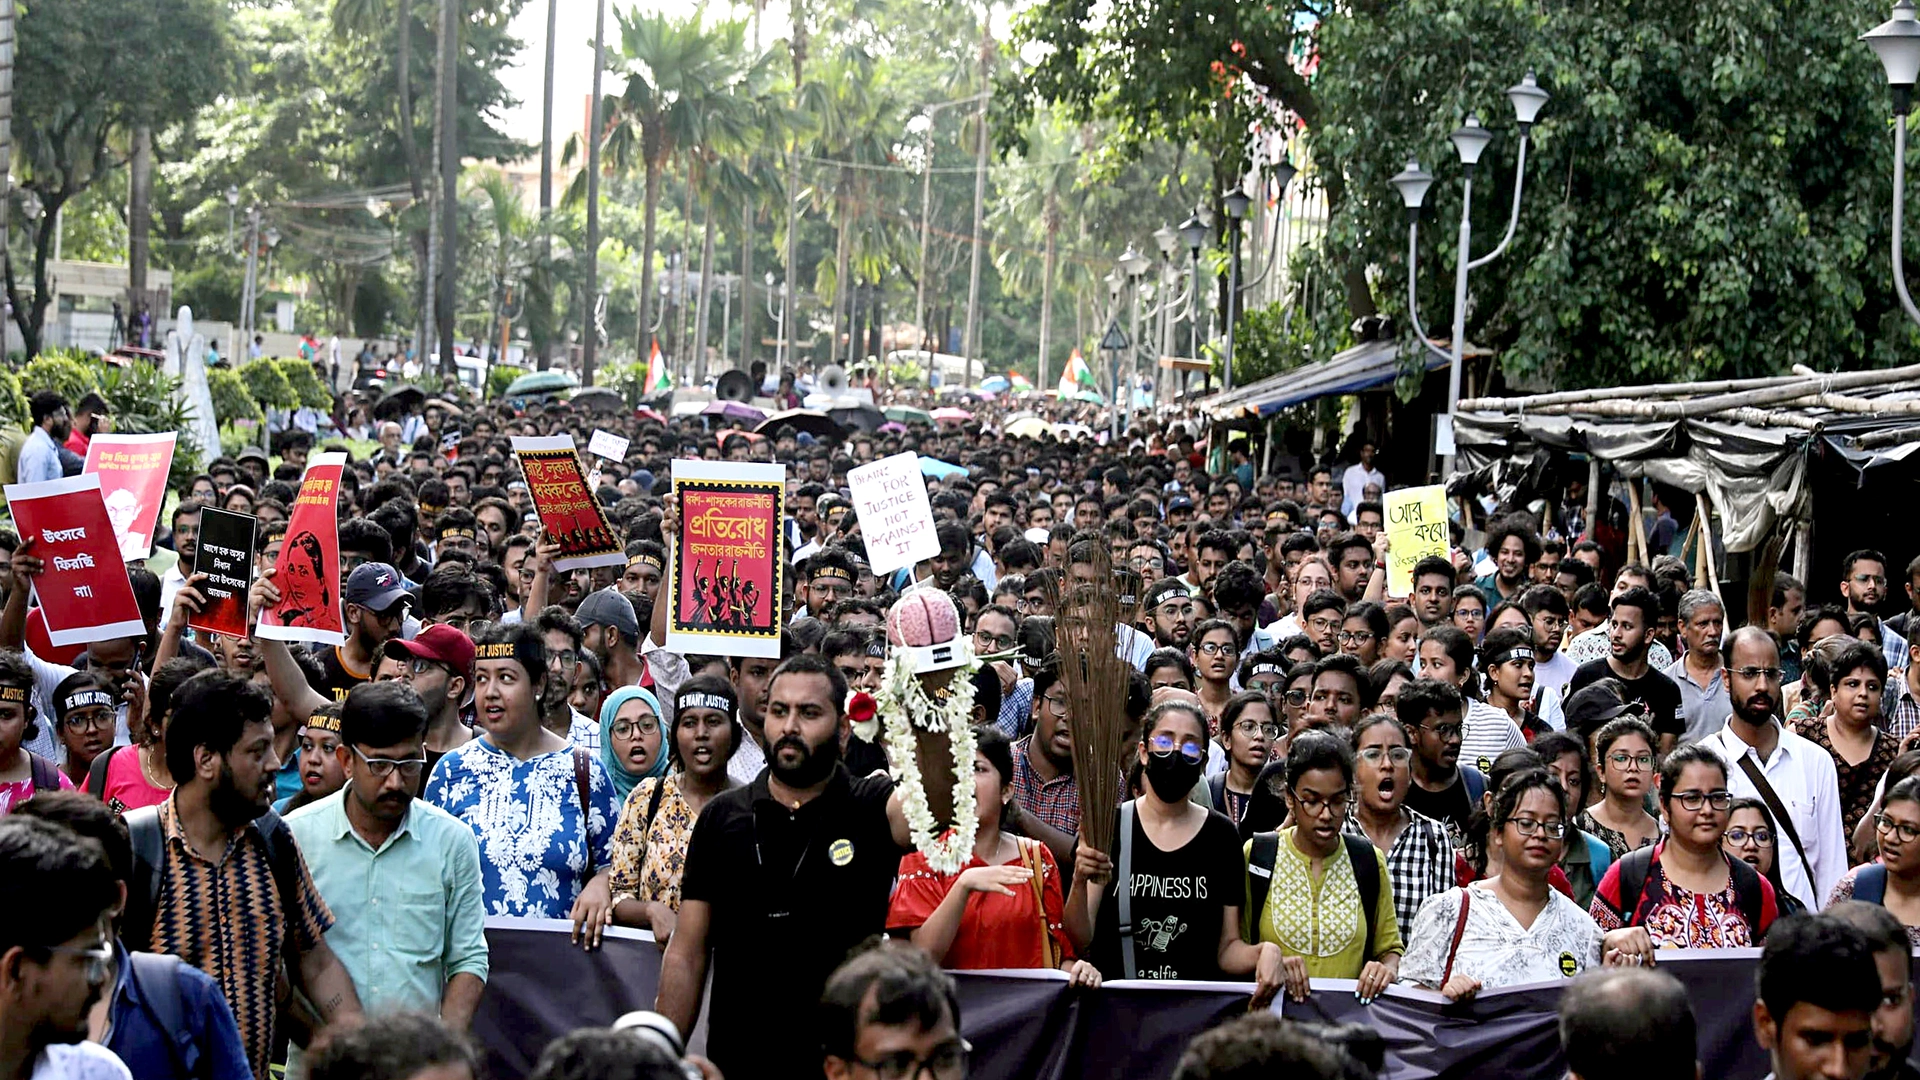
938, 469
645, 413
907, 414
398, 403
892, 427
952, 416
604, 398
811, 421
1027, 427
1064, 432
994, 384
862, 417
733, 410
541, 382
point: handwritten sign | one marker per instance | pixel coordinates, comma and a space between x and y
1416, 528
133, 483
607, 445
225, 555
83, 590
307, 573
895, 516
727, 561
565, 503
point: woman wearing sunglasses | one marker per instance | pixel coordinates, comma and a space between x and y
1178, 873
1894, 881
1686, 890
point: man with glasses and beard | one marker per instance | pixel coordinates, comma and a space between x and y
220, 882
57, 897
373, 833
1168, 614
783, 878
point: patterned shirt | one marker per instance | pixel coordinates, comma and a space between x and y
534, 848
1055, 801
1323, 920
1677, 919
1420, 864
1857, 782
1595, 644
229, 920
648, 855
1494, 948
1899, 709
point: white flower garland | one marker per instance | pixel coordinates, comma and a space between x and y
903, 706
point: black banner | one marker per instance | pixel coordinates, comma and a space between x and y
225, 555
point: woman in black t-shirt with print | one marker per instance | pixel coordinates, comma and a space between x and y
1185, 881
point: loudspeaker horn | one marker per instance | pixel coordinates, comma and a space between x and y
735, 385
833, 380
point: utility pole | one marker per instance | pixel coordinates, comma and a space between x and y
979, 189
247, 289
790, 297
449, 155
545, 296
590, 334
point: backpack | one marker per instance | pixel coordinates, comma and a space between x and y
1870, 883
96, 785
46, 775
1635, 865
158, 976
1266, 851
149, 867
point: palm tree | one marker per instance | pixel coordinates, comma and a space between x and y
509, 225
541, 310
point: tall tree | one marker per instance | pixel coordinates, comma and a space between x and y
540, 301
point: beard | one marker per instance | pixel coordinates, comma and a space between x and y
230, 806
814, 765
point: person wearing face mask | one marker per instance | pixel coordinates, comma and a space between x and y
1178, 880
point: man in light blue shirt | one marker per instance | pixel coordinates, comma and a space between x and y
40, 454
405, 875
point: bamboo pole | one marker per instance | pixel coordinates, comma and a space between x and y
1802, 550
1593, 491
1572, 397
1630, 410
1704, 515
1636, 528
1692, 541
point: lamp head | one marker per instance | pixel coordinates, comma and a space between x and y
1236, 200
1193, 233
272, 236
1412, 182
1897, 43
1471, 140
1132, 263
1164, 238
920, 124
233, 195
1284, 172
1528, 99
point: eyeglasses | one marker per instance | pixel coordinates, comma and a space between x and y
1147, 564
1166, 744
1255, 727
1907, 833
1445, 731
98, 957
1056, 704
566, 658
1694, 800
947, 1062
1770, 674
1215, 648
1552, 830
1739, 837
1869, 579
381, 767
100, 721
1174, 611
1324, 626
1355, 637
627, 729
995, 642
1311, 804
1399, 755
1620, 759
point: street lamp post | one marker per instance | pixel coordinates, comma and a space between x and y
233, 200
1236, 201
1134, 265
1897, 43
778, 315
247, 292
1166, 238
1470, 141
1193, 233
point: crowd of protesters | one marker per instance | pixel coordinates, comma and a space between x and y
1540, 762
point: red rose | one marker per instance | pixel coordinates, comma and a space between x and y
861, 707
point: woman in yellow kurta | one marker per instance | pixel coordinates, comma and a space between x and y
1316, 898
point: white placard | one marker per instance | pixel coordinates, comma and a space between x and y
607, 445
895, 517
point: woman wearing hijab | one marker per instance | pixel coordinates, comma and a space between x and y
633, 747
660, 807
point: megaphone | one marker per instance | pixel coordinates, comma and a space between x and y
833, 380
735, 385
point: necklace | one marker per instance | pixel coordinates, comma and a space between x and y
164, 783
904, 706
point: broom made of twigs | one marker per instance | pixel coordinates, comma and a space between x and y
1095, 680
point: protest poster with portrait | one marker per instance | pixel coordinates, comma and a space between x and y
83, 590
133, 484
307, 573
225, 555
565, 503
727, 561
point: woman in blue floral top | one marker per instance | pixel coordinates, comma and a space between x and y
542, 809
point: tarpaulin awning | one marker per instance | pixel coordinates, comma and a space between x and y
1363, 367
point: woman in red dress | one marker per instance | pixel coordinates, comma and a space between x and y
1003, 909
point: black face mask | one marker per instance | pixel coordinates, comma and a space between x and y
1172, 774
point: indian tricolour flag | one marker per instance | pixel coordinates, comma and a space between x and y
1076, 375
658, 377
1018, 381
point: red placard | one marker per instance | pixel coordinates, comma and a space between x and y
727, 560
566, 505
83, 592
308, 570
133, 484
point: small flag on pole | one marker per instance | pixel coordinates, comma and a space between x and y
658, 377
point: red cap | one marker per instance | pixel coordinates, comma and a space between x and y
440, 643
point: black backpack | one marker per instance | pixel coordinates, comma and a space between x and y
1635, 865
1266, 851
149, 866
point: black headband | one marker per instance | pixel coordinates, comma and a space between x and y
700, 699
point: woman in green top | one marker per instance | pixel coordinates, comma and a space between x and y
1316, 900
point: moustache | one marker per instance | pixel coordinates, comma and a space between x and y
794, 741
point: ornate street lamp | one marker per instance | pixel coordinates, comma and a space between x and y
1897, 43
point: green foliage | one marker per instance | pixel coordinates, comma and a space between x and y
267, 384
13, 400
69, 372
499, 377
212, 291
308, 391
629, 379
1706, 196
1276, 338
232, 401
143, 400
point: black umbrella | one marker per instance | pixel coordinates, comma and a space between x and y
812, 421
398, 403
858, 417
600, 398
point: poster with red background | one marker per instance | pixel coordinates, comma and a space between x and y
133, 484
728, 560
566, 505
308, 570
83, 591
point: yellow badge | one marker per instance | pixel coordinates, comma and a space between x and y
1485, 764
1568, 965
841, 852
